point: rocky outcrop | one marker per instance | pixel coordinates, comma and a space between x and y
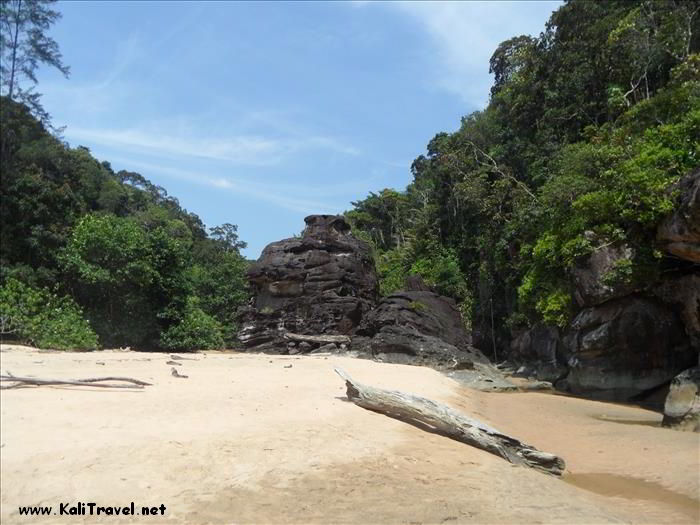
417, 327
682, 407
622, 345
323, 282
539, 350
682, 292
679, 233
624, 348
593, 275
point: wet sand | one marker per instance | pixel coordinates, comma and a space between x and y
248, 439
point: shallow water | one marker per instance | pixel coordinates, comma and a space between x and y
614, 485
651, 422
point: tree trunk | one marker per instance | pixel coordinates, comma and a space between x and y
317, 338
93, 381
14, 49
450, 423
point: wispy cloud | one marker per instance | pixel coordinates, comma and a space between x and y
252, 150
274, 194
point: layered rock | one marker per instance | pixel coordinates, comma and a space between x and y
624, 348
679, 233
417, 327
682, 406
323, 282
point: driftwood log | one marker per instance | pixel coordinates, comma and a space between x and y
448, 422
93, 382
317, 338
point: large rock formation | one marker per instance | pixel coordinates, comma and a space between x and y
591, 275
682, 292
679, 233
624, 348
540, 350
682, 407
323, 282
629, 339
417, 327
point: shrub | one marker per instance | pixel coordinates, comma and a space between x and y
195, 331
416, 306
43, 319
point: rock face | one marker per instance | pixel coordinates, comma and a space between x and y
417, 327
622, 346
324, 284
540, 349
321, 283
589, 275
679, 233
625, 347
683, 293
682, 407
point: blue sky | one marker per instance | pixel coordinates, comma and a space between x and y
259, 114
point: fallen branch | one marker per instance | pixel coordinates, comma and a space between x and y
93, 381
450, 423
317, 338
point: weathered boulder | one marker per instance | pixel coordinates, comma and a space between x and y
323, 282
624, 348
683, 293
592, 274
679, 233
682, 407
417, 327
540, 349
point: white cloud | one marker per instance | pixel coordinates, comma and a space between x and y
253, 150
275, 194
464, 35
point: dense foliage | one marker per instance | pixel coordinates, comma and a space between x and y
86, 251
588, 127
41, 318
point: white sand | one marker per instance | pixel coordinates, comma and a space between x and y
245, 439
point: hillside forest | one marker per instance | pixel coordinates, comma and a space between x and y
588, 130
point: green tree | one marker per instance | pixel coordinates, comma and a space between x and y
588, 127
131, 281
226, 236
218, 278
24, 44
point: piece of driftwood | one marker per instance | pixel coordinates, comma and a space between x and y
448, 422
317, 338
92, 381
180, 358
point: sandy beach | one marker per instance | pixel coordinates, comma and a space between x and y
271, 439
